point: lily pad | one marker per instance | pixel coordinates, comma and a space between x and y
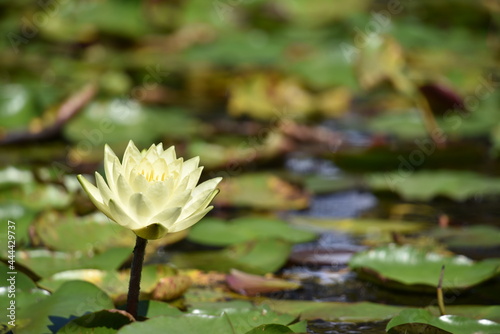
334, 311
256, 257
261, 191
17, 107
237, 322
12, 176
72, 299
21, 218
25, 290
358, 226
410, 268
158, 282
38, 197
70, 233
104, 322
237, 152
217, 232
421, 321
468, 236
117, 121
425, 185
45, 263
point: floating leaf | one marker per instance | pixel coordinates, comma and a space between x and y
270, 329
235, 153
72, 299
217, 232
261, 191
70, 233
117, 121
12, 176
334, 311
238, 322
45, 263
17, 109
21, 218
410, 268
359, 226
421, 321
261, 95
105, 321
38, 196
256, 257
425, 185
250, 285
158, 282
24, 289
468, 236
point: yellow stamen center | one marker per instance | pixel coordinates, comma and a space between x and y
151, 176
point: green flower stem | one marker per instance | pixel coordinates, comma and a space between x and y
134, 286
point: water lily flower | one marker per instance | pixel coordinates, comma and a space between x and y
151, 192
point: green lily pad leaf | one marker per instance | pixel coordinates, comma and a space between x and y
38, 197
358, 226
425, 185
248, 284
240, 321
72, 299
261, 191
410, 268
422, 321
491, 312
71, 233
45, 263
115, 122
17, 107
218, 308
102, 322
468, 236
270, 329
12, 176
256, 257
158, 281
321, 184
21, 218
153, 308
25, 292
217, 232
333, 311
237, 152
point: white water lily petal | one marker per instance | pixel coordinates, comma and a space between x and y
138, 182
167, 217
104, 190
120, 216
110, 164
180, 198
94, 194
124, 189
159, 192
140, 206
189, 166
199, 203
169, 155
190, 221
151, 192
194, 177
131, 154
209, 184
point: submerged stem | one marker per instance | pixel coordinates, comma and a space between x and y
135, 276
